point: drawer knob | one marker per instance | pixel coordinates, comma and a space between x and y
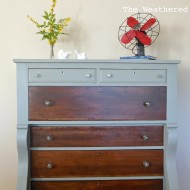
49, 138
88, 75
145, 137
147, 104
146, 164
49, 165
48, 103
38, 75
109, 75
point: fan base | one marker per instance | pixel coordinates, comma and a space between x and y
140, 49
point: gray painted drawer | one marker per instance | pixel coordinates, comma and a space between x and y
140, 76
62, 75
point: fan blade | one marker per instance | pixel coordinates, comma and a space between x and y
143, 38
148, 24
132, 22
127, 37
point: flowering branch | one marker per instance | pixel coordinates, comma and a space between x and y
50, 29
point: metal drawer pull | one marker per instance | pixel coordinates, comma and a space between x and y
145, 137
109, 75
88, 75
147, 104
48, 103
49, 138
50, 165
146, 164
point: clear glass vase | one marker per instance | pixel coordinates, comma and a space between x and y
52, 51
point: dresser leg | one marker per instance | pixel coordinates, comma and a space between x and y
22, 146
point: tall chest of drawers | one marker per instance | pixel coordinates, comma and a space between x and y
97, 124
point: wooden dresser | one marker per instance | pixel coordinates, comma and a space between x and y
97, 124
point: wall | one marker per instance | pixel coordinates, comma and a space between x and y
94, 30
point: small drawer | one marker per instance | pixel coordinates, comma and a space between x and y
132, 76
149, 184
62, 75
101, 136
91, 163
97, 103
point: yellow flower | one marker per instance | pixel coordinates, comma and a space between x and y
66, 21
53, 5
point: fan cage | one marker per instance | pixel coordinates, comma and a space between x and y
142, 18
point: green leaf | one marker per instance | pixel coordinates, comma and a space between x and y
46, 17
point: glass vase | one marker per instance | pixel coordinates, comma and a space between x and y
52, 51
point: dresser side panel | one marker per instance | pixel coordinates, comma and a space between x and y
22, 94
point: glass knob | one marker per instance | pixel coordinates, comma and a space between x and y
38, 75
49, 165
109, 75
88, 75
146, 164
49, 138
147, 104
48, 103
145, 137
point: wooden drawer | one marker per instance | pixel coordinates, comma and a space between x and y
85, 163
97, 103
62, 75
100, 185
96, 136
132, 76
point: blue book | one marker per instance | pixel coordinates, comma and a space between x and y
139, 57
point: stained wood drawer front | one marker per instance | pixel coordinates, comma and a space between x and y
97, 103
96, 136
133, 76
84, 163
100, 185
62, 75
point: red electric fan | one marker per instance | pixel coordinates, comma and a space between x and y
138, 31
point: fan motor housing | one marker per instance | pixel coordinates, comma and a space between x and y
140, 49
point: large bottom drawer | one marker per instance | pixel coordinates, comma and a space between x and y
92, 163
100, 185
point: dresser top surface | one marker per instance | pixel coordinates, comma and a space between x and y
108, 61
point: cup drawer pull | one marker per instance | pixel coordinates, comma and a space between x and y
38, 75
